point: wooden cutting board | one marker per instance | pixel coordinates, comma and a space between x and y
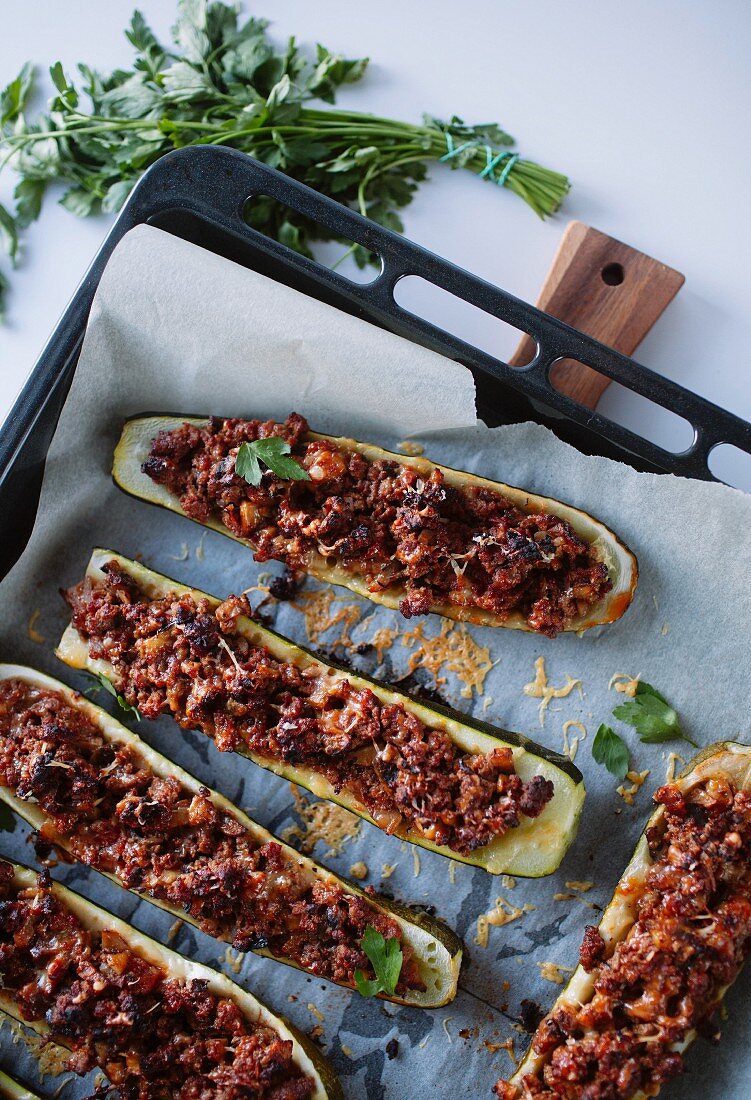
607, 289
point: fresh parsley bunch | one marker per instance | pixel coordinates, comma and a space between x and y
223, 82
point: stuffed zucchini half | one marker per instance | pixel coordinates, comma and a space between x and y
403, 532
669, 944
93, 789
11, 1090
150, 1019
423, 773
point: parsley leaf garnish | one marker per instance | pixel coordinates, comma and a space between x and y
224, 81
651, 716
272, 452
122, 702
610, 749
386, 957
7, 819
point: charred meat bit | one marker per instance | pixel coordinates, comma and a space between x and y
152, 1035
407, 775
153, 834
385, 522
665, 979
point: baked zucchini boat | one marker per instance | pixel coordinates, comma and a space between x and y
403, 532
669, 945
427, 774
154, 1022
92, 788
11, 1090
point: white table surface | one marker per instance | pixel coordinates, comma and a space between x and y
645, 105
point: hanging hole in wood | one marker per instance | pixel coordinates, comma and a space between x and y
613, 274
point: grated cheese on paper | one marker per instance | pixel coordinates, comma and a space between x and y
673, 759
539, 688
200, 552
452, 870
582, 887
382, 640
454, 649
416, 861
359, 870
445, 1025
184, 553
323, 821
233, 959
554, 972
503, 912
320, 616
636, 779
34, 635
387, 870
315, 1013
624, 683
174, 929
571, 744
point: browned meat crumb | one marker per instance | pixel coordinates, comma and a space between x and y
174, 656
690, 938
386, 522
152, 1035
114, 813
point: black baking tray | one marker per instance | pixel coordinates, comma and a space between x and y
200, 194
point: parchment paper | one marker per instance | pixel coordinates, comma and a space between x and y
174, 328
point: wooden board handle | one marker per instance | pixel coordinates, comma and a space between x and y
608, 290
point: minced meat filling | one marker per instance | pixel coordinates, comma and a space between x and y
154, 835
384, 521
666, 978
154, 1037
176, 656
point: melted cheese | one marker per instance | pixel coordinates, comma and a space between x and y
34, 635
411, 448
539, 688
320, 616
503, 912
636, 779
453, 649
624, 683
233, 959
571, 744
321, 821
554, 972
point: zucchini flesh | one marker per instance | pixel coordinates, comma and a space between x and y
139, 433
11, 1089
726, 760
533, 848
437, 950
305, 1055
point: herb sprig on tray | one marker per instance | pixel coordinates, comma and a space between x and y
223, 82
654, 720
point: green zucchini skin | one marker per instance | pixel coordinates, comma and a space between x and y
11, 1089
306, 1054
139, 431
437, 948
534, 848
729, 758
